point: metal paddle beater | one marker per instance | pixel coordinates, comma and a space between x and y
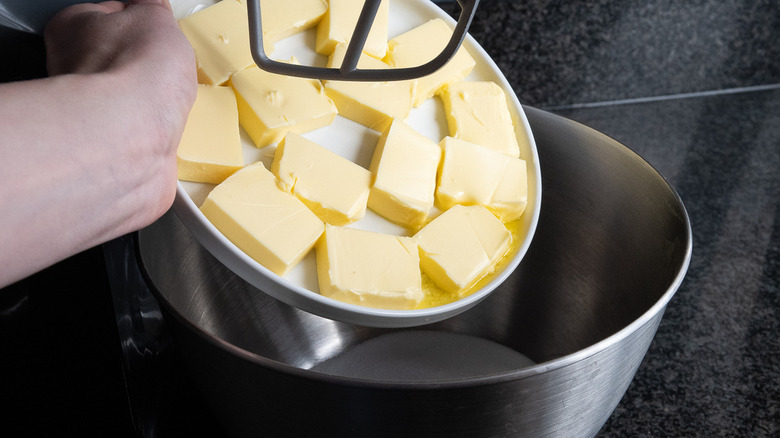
348, 70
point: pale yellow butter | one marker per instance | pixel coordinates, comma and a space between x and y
338, 24
372, 104
210, 146
271, 105
334, 188
477, 111
369, 269
475, 175
219, 34
420, 46
270, 225
461, 246
404, 165
285, 18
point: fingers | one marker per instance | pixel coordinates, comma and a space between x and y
92, 37
164, 3
81, 8
106, 7
66, 16
110, 6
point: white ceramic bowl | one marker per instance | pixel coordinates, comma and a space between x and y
299, 288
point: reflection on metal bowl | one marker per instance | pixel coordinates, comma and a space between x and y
550, 352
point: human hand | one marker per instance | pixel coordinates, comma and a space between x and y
139, 35
149, 69
91, 150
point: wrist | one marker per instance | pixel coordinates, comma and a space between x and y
147, 129
122, 144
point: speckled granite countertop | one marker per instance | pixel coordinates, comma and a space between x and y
692, 86
558, 52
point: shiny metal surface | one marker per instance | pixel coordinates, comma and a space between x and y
612, 247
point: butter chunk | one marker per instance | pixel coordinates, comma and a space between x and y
461, 246
219, 34
210, 146
406, 50
372, 104
369, 269
478, 112
271, 105
338, 25
334, 188
285, 18
270, 225
475, 175
404, 165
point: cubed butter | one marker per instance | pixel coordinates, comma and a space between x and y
271, 105
475, 175
285, 18
404, 166
270, 225
372, 104
210, 146
338, 24
333, 187
219, 34
477, 111
406, 50
369, 269
461, 246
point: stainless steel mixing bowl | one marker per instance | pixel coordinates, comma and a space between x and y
550, 353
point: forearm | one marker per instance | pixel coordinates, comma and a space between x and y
73, 179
